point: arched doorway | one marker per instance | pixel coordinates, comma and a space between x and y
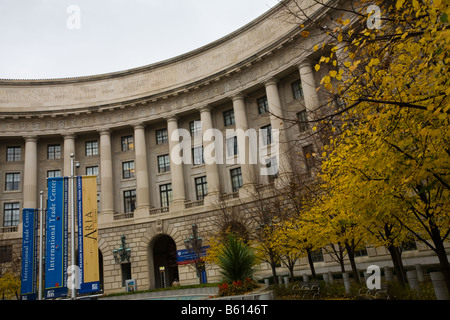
165, 256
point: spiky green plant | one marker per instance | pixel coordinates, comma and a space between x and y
236, 260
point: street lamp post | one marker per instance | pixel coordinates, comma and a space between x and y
194, 245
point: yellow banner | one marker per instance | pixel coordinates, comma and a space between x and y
89, 234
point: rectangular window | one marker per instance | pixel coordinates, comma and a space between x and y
263, 105
11, 214
297, 89
54, 152
266, 133
163, 163
13, 153
165, 192
308, 153
127, 143
92, 171
6, 254
12, 181
53, 173
197, 156
236, 179
201, 187
195, 127
232, 147
317, 256
91, 148
228, 117
129, 200
128, 169
161, 136
302, 117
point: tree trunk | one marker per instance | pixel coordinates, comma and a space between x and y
398, 264
351, 257
311, 264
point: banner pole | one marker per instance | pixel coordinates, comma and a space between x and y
41, 241
72, 224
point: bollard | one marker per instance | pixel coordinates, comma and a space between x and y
440, 289
419, 271
266, 281
325, 278
388, 274
412, 279
330, 276
346, 278
305, 278
286, 281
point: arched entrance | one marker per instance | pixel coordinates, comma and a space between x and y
165, 261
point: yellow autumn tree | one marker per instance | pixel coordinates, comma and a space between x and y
389, 164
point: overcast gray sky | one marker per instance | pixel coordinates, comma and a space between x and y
37, 42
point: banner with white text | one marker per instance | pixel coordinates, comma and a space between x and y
29, 255
56, 254
88, 234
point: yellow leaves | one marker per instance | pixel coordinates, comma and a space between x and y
317, 67
305, 34
399, 4
333, 73
316, 47
346, 22
339, 37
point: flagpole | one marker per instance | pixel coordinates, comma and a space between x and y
41, 236
72, 217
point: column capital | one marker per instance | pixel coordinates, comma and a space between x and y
205, 108
305, 63
271, 81
171, 117
238, 96
31, 138
69, 135
139, 125
103, 132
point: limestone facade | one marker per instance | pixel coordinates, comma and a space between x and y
119, 125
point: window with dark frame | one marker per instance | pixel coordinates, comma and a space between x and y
53, 173
308, 153
129, 200
228, 117
236, 179
6, 254
12, 181
92, 171
266, 132
198, 156
302, 117
127, 143
263, 105
232, 146
317, 255
297, 89
54, 151
161, 136
163, 163
91, 148
195, 128
201, 187
13, 154
11, 214
128, 170
165, 193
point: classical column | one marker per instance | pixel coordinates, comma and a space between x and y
277, 123
212, 172
176, 167
309, 87
30, 191
247, 166
142, 185
69, 148
106, 172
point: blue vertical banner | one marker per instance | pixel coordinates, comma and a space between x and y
56, 254
87, 234
29, 255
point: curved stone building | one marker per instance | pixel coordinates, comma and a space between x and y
119, 127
